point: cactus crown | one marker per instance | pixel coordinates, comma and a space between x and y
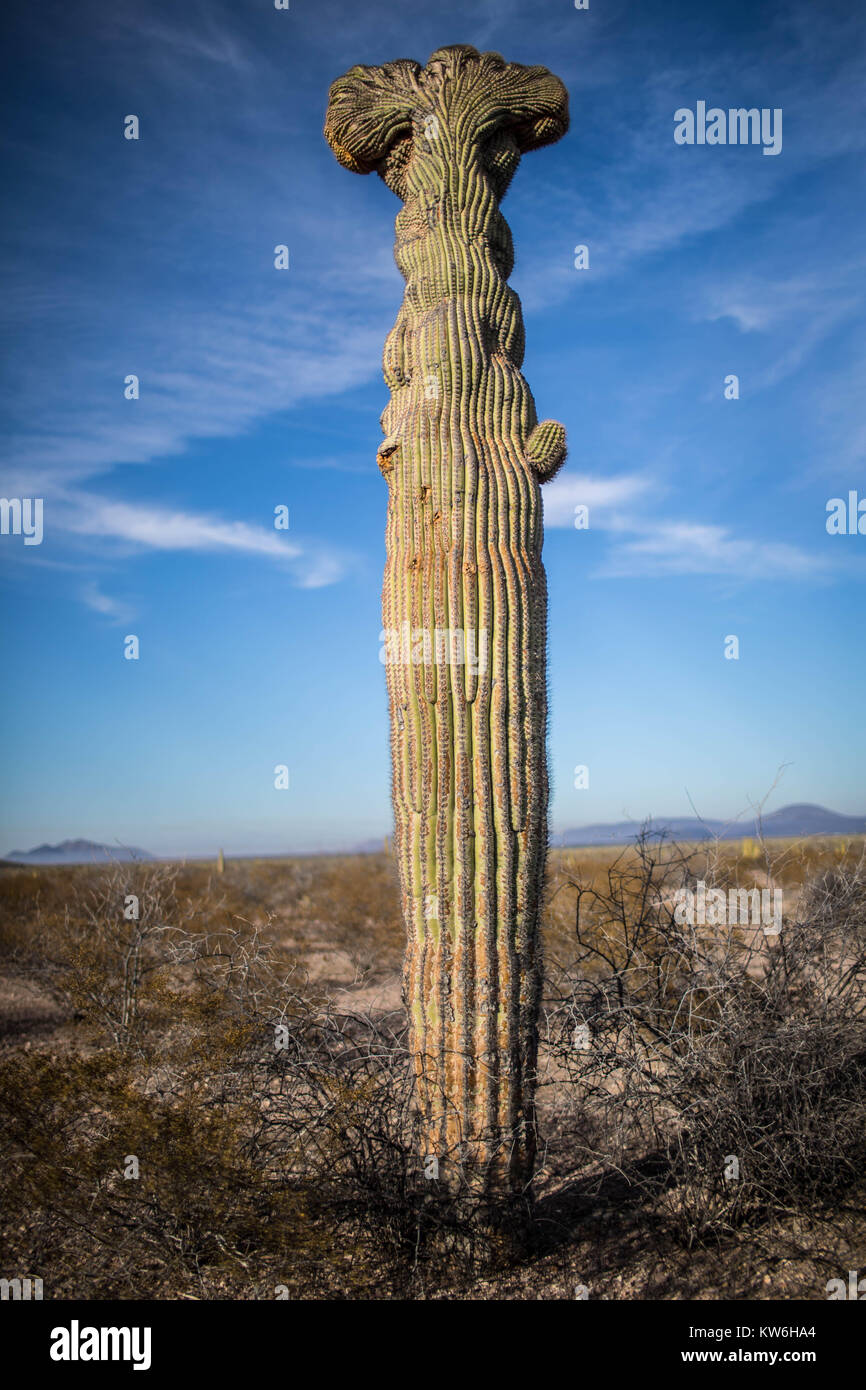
384, 118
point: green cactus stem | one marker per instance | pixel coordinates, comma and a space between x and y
464, 599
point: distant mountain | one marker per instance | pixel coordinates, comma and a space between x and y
790, 821
811, 820
375, 846
76, 852
621, 832
803, 819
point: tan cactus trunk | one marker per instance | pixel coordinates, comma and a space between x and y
464, 602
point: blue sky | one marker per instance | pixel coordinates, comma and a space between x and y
262, 387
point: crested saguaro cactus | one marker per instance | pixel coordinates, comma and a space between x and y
464, 600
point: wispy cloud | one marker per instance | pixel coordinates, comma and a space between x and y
601, 495
92, 596
801, 309
219, 376
838, 407
312, 564
642, 546
217, 365
680, 547
647, 197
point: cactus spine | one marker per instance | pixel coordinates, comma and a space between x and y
464, 598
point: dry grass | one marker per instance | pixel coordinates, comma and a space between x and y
226, 1039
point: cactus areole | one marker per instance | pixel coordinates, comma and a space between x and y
464, 598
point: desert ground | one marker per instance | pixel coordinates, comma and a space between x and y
205, 1090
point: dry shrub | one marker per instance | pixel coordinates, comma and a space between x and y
732, 1060
274, 1137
